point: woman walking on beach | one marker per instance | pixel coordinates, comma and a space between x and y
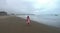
28, 20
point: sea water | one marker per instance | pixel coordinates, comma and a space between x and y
52, 20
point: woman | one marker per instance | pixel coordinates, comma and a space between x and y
28, 20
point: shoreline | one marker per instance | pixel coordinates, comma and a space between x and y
48, 23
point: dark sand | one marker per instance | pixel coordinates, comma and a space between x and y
11, 24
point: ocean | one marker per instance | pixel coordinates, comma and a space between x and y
52, 20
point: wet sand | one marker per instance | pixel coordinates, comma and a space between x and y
12, 24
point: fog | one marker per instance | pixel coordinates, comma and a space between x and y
36, 7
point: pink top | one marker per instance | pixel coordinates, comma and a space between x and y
28, 19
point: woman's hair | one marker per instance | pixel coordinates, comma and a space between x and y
27, 16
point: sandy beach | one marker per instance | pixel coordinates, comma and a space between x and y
13, 24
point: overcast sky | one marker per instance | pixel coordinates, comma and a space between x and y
31, 6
